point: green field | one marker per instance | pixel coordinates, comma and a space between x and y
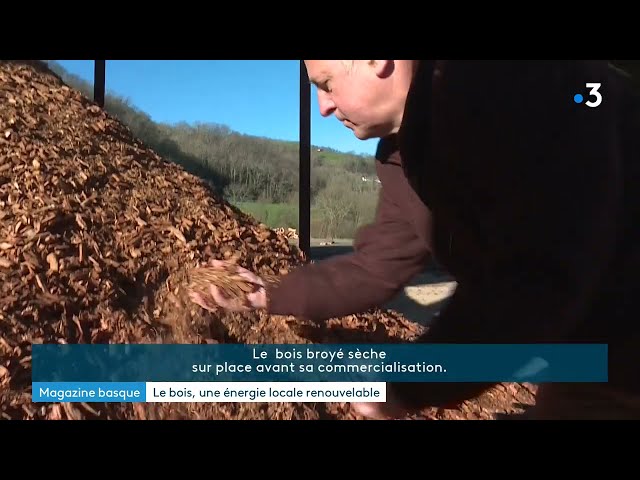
330, 218
330, 158
273, 215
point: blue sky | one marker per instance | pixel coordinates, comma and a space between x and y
255, 97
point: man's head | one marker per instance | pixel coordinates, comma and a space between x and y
367, 96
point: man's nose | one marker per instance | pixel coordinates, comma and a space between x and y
327, 107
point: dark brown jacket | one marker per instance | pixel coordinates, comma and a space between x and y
387, 254
530, 200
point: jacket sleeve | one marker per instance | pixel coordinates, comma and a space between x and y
540, 176
387, 254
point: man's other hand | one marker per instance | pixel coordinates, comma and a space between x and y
392, 409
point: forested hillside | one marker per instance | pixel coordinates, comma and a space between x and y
259, 175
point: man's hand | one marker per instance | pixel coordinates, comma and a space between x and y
225, 285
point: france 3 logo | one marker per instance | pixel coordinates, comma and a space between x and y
593, 92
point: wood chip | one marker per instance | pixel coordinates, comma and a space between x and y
53, 262
178, 234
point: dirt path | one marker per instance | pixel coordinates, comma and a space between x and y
424, 297
418, 301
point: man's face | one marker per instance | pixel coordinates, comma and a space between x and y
358, 92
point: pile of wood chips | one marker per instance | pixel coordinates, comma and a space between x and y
97, 234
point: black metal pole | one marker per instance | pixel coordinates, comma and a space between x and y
99, 80
304, 190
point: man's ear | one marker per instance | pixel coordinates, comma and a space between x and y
382, 68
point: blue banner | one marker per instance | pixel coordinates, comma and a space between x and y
101, 392
319, 363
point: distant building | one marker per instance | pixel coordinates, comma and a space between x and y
366, 179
